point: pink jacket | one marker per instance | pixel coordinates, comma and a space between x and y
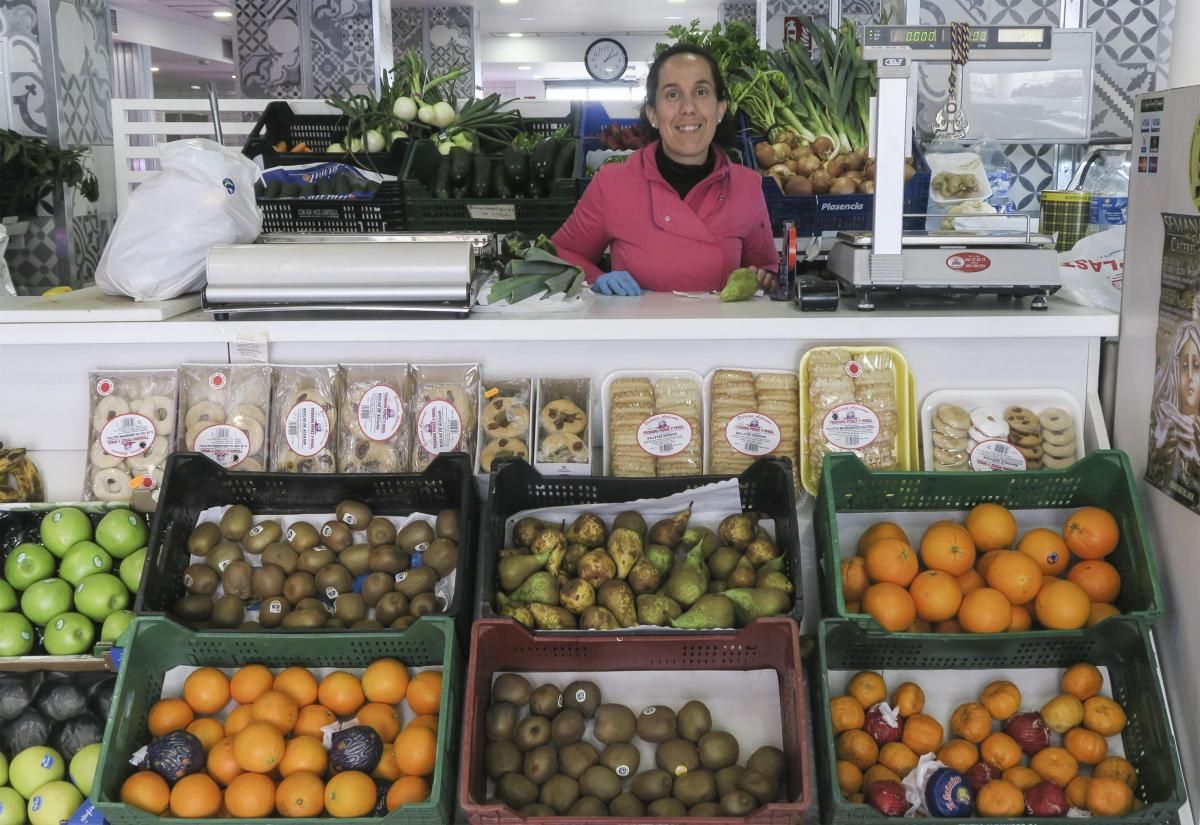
664, 242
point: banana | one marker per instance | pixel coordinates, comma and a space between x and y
24, 479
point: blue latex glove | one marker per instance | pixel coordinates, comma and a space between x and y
617, 283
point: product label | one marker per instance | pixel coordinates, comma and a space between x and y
380, 413
850, 426
580, 695
664, 435
853, 369
401, 576
217, 381
650, 711
128, 435
622, 771
752, 434
224, 444
995, 454
307, 428
439, 427
1109, 210
274, 607
492, 212
968, 262
105, 387
331, 592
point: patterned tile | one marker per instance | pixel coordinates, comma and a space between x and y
782, 8
1021, 12
35, 267
25, 94
88, 236
268, 48
1035, 172
941, 12
407, 29
1116, 85
450, 39
746, 12
1126, 30
343, 49
1166, 28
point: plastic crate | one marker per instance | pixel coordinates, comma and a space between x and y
1123, 646
383, 213
192, 483
499, 646
279, 123
766, 488
594, 118
1102, 479
159, 644
814, 214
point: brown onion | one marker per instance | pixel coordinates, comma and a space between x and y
823, 147
836, 167
808, 165
781, 149
764, 153
780, 169
798, 185
856, 160
821, 181
843, 186
867, 187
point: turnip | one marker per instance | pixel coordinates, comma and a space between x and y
405, 109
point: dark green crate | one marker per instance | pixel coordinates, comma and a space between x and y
1121, 645
158, 644
1102, 479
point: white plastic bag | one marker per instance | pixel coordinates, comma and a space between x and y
159, 246
6, 283
1093, 270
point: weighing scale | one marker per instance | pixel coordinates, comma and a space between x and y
1003, 262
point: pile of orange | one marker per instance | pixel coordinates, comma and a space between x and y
263, 735
1077, 759
979, 578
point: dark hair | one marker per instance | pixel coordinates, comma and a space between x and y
726, 134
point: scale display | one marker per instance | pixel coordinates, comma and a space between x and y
938, 37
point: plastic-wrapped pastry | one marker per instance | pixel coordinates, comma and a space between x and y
304, 416
444, 407
563, 423
374, 428
131, 431
504, 422
223, 413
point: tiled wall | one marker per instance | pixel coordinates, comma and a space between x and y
25, 95
746, 12
343, 46
445, 36
268, 48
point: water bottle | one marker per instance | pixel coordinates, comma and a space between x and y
1001, 174
1110, 198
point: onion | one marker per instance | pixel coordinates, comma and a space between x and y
856, 160
781, 149
869, 169
374, 141
780, 170
909, 172
821, 181
857, 177
808, 165
443, 114
764, 153
867, 187
836, 167
425, 114
405, 109
801, 152
822, 147
843, 186
779, 180
397, 134
798, 185
789, 137
794, 165
335, 149
356, 145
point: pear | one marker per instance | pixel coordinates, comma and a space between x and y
548, 541
577, 596
760, 551
657, 610
701, 535
669, 531
689, 579
618, 598
722, 562
512, 551
708, 612
752, 603
775, 565
507, 607
625, 547
552, 617
775, 579
716, 586
738, 530
598, 618
514, 570
554, 563
631, 520
596, 567
541, 587
663, 558
643, 577
570, 560
588, 530
526, 531
743, 575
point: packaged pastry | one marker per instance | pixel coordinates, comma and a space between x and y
130, 431
374, 428
444, 404
984, 430
653, 424
223, 413
304, 417
752, 415
504, 422
564, 431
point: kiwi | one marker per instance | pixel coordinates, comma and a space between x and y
588, 806
333, 580
314, 558
228, 611
560, 793
236, 521
375, 587
282, 556
627, 805
666, 809
387, 558
446, 525
315, 605
541, 763
600, 782
442, 556
194, 608
693, 721
695, 787
204, 538
652, 784
501, 757
249, 627
738, 803
273, 610
334, 623
302, 536
567, 727
500, 721
532, 732
704, 810
356, 558
354, 513
423, 604
267, 581
336, 535
718, 749
677, 757
391, 606
546, 701
304, 619
583, 696
402, 623
367, 624
416, 581
235, 578
260, 535
536, 809
200, 579
656, 724
222, 554
515, 791
350, 608
614, 723
768, 761
760, 786
576, 758
413, 534
299, 585
622, 758
380, 531
728, 779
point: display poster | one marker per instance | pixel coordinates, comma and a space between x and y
1174, 461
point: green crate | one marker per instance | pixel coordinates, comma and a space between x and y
158, 644
1102, 479
1122, 645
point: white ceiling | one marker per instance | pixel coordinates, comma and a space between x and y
581, 17
195, 13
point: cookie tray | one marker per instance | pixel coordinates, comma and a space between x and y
708, 441
654, 375
578, 390
969, 399
520, 388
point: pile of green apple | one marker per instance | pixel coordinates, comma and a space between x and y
64, 587
34, 787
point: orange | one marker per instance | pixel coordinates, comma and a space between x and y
879, 773
1055, 765
854, 607
1024, 778
206, 690
1100, 612
1085, 745
342, 694
898, 757
881, 530
425, 692
170, 714
259, 747
387, 769
148, 791
1015, 575
854, 578
991, 526
1047, 548
382, 718
241, 716
1118, 767
846, 713
208, 731
350, 794
1077, 791
311, 719
1091, 533
1082, 680
195, 796
985, 562
250, 796
279, 709
971, 722
891, 560
300, 795
298, 683
304, 754
948, 626
416, 751
385, 680
970, 581
922, 733
936, 596
1000, 751
1000, 798
868, 688
250, 682
1001, 698
1099, 579
920, 626
849, 777
1103, 715
1062, 605
987, 610
958, 754
908, 699
427, 720
1022, 619
1109, 796
222, 764
948, 547
405, 790
858, 748
890, 605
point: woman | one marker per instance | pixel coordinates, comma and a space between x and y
677, 214
1175, 428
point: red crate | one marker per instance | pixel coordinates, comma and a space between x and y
503, 646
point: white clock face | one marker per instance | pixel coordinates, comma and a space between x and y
606, 60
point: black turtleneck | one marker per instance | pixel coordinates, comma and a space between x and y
681, 176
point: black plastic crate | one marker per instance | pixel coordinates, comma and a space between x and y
193, 483
383, 213
278, 122
766, 488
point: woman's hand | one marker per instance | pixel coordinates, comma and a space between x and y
617, 283
767, 280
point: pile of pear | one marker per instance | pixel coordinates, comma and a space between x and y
596, 576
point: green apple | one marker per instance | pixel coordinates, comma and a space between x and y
26, 564
84, 559
63, 528
83, 767
12, 807
115, 625
68, 634
3, 770
8, 600
34, 767
16, 635
44, 600
53, 803
131, 570
121, 532
99, 595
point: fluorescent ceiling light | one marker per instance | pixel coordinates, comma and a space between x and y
524, 68
154, 68
672, 17
223, 14
525, 18
233, 76
676, 1
515, 34
197, 88
508, 2
539, 77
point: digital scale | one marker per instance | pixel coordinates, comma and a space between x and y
1004, 262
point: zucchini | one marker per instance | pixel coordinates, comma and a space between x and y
516, 166
500, 187
441, 181
458, 192
564, 160
274, 189
460, 166
481, 177
541, 163
533, 189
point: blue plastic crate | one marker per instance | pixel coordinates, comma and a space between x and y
594, 118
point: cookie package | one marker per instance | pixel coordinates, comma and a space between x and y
504, 422
653, 424
304, 417
374, 429
223, 413
564, 431
985, 430
131, 431
444, 407
752, 414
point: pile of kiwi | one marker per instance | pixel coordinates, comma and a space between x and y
541, 761
353, 571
